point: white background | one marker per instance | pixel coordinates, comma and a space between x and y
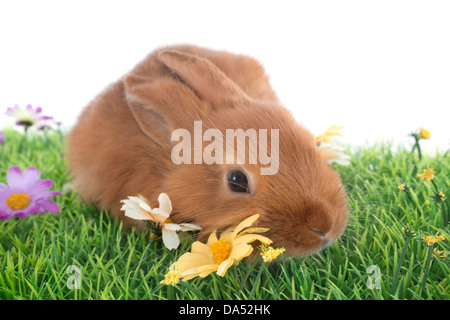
379, 68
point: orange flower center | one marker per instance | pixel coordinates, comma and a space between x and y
221, 250
18, 201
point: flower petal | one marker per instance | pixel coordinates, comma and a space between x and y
334, 154
254, 230
182, 227
30, 177
139, 201
170, 239
45, 195
134, 211
164, 203
50, 206
223, 267
160, 212
212, 238
244, 224
248, 238
20, 214
189, 227
202, 271
142, 202
3, 187
189, 274
206, 270
4, 194
5, 214
191, 260
32, 209
14, 177
138, 214
241, 251
172, 226
201, 248
39, 186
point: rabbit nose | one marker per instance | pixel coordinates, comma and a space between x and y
322, 235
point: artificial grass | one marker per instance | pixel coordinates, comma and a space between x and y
36, 252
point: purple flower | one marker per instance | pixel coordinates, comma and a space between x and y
27, 117
2, 138
26, 194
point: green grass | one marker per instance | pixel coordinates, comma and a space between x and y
36, 252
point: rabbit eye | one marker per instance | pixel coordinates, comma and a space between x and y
237, 180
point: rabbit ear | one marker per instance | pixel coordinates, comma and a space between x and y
208, 81
159, 106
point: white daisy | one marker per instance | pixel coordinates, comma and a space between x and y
27, 117
138, 208
334, 154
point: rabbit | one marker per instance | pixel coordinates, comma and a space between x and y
121, 146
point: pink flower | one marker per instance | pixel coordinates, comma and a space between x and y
27, 117
2, 138
26, 194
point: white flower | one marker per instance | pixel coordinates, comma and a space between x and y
138, 208
28, 116
334, 154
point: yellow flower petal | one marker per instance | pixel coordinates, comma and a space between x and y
424, 134
206, 270
200, 248
248, 238
223, 267
191, 260
254, 230
201, 271
212, 238
331, 131
241, 251
190, 274
244, 224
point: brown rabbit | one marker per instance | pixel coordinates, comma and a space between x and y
121, 146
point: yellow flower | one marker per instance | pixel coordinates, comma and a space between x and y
408, 232
218, 254
442, 195
401, 187
430, 240
440, 253
331, 131
268, 253
427, 202
424, 134
171, 277
427, 175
